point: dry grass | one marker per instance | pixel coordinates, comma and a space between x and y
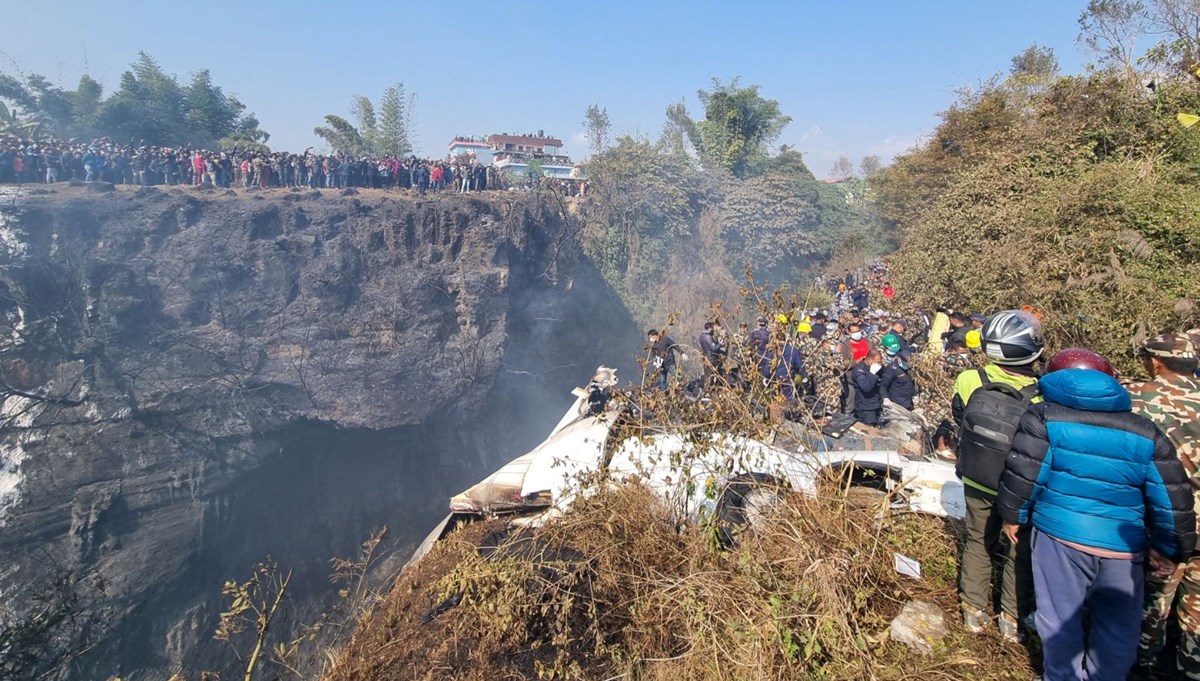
617, 589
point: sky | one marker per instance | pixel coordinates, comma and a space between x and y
857, 78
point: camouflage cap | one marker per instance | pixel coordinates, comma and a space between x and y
1180, 345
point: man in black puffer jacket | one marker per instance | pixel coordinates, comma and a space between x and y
1104, 491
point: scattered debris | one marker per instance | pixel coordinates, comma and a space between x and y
919, 626
909, 567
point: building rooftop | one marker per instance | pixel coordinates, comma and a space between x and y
524, 140
467, 142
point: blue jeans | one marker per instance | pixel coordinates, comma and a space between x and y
1069, 581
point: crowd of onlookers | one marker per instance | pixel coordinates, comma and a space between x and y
51, 161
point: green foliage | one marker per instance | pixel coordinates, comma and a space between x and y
392, 136
737, 127
598, 126
842, 167
341, 135
13, 123
643, 201
149, 105
1035, 63
1081, 201
661, 227
377, 135
769, 222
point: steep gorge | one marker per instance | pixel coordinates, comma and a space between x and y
196, 380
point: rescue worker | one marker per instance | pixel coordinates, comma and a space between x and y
713, 350
760, 338
899, 329
825, 368
819, 329
1105, 493
1013, 342
974, 341
862, 299
662, 352
783, 367
809, 348
853, 349
956, 337
737, 360
1171, 399
895, 383
865, 378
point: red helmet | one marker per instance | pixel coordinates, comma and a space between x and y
1079, 358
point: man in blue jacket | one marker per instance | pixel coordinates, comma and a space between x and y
783, 365
1104, 492
865, 378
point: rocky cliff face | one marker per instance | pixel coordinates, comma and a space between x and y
193, 381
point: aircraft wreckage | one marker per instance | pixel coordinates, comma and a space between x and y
720, 475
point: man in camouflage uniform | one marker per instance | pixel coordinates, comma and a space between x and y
1171, 399
823, 369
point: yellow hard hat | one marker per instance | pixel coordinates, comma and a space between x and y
804, 327
781, 318
974, 339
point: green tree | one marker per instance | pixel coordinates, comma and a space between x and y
1111, 28
368, 125
1036, 63
868, 166
597, 126
246, 134
209, 112
738, 126
769, 223
643, 202
388, 132
87, 99
149, 105
1093, 162
392, 135
842, 167
341, 135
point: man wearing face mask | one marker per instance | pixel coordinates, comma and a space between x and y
895, 383
865, 378
853, 348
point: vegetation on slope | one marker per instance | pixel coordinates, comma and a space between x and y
677, 222
617, 589
1078, 195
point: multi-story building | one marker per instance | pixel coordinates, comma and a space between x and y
474, 147
515, 153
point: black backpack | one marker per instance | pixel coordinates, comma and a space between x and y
989, 423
